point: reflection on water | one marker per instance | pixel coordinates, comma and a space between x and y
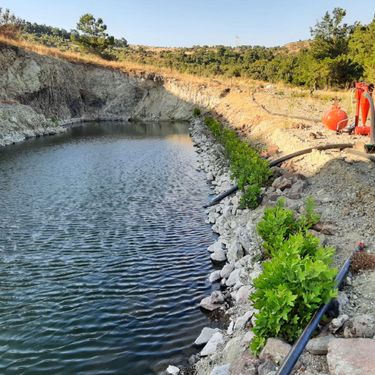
102, 250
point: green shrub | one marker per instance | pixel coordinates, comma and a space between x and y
279, 223
249, 170
196, 112
296, 281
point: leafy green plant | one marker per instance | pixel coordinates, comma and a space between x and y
279, 223
249, 170
196, 112
298, 278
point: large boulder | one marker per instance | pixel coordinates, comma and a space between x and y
319, 345
351, 357
362, 325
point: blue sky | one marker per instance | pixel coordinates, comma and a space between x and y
190, 22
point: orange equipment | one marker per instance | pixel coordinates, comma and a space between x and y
363, 106
335, 118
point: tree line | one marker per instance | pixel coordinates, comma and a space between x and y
336, 55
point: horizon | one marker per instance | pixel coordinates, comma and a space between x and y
236, 23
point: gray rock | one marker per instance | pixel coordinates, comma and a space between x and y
338, 322
275, 350
282, 183
243, 294
226, 271
205, 335
351, 357
235, 252
211, 346
243, 320
233, 278
172, 370
232, 349
343, 301
246, 364
221, 370
362, 325
266, 367
230, 327
218, 256
214, 276
319, 345
218, 245
217, 297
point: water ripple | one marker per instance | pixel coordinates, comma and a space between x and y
102, 251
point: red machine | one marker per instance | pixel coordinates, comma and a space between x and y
363, 106
337, 119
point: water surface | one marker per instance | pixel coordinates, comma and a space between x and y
103, 255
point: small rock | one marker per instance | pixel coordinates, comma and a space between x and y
226, 270
248, 337
319, 345
173, 370
351, 357
242, 320
205, 335
282, 183
266, 367
245, 364
230, 327
218, 245
275, 350
233, 278
211, 346
214, 276
221, 370
243, 294
235, 252
217, 297
361, 325
338, 322
218, 256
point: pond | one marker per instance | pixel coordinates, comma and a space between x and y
103, 250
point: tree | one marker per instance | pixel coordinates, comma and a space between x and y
9, 24
330, 35
91, 34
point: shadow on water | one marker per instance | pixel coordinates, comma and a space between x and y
102, 250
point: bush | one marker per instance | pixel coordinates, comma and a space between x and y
296, 281
249, 170
196, 112
279, 223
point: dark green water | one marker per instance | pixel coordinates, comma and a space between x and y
103, 255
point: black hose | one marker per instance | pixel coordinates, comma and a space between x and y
297, 349
279, 161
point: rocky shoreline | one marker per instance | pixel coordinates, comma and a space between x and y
237, 251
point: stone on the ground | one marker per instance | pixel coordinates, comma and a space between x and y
243, 294
275, 350
218, 256
230, 327
212, 302
338, 322
233, 278
217, 297
226, 271
212, 344
232, 349
215, 246
362, 325
172, 370
205, 335
243, 320
351, 357
319, 345
214, 276
266, 367
221, 370
282, 183
235, 252
246, 364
